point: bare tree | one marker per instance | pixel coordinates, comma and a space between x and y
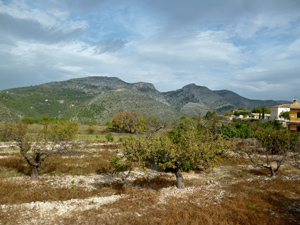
36, 150
272, 149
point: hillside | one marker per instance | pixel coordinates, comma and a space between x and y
56, 98
93, 97
193, 99
102, 107
8, 114
239, 101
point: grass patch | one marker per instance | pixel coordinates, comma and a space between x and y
246, 206
14, 165
155, 183
82, 164
25, 192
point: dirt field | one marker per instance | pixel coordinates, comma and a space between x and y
80, 190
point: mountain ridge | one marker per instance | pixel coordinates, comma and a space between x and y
68, 98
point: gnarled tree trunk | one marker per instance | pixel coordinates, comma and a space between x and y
179, 178
34, 163
34, 173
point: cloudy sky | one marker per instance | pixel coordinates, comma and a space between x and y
251, 47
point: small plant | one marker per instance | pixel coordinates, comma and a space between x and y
109, 137
73, 187
91, 129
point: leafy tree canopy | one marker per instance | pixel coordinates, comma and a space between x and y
243, 108
262, 110
285, 115
187, 144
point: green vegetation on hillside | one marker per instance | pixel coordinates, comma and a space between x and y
38, 102
103, 107
97, 99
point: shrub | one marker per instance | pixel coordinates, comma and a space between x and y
62, 130
30, 120
109, 137
6, 131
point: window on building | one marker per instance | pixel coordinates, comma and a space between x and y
298, 114
298, 129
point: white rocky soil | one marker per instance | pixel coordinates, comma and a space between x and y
211, 184
46, 211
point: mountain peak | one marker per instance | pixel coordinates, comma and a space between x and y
190, 85
141, 85
193, 85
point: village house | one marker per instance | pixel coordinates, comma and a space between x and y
254, 115
259, 116
294, 122
277, 110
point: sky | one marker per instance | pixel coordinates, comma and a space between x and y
251, 47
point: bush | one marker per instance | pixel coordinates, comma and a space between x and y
91, 129
230, 132
30, 120
62, 130
109, 137
6, 131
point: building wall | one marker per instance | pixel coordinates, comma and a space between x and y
294, 127
293, 115
275, 113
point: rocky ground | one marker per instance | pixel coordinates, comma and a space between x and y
204, 188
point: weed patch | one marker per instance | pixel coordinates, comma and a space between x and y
25, 192
155, 183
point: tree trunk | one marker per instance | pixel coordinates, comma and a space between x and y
272, 171
34, 173
179, 178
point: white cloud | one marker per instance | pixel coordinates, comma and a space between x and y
59, 14
294, 48
33, 23
206, 48
68, 68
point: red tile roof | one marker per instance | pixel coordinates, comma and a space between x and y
295, 106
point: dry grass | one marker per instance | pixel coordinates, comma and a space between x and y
239, 194
74, 164
16, 192
98, 133
155, 183
244, 208
256, 204
14, 165
251, 200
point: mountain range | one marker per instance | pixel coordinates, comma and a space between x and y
99, 98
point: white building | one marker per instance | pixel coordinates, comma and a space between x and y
277, 110
257, 116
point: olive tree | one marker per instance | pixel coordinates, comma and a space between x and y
185, 144
53, 140
271, 149
137, 122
